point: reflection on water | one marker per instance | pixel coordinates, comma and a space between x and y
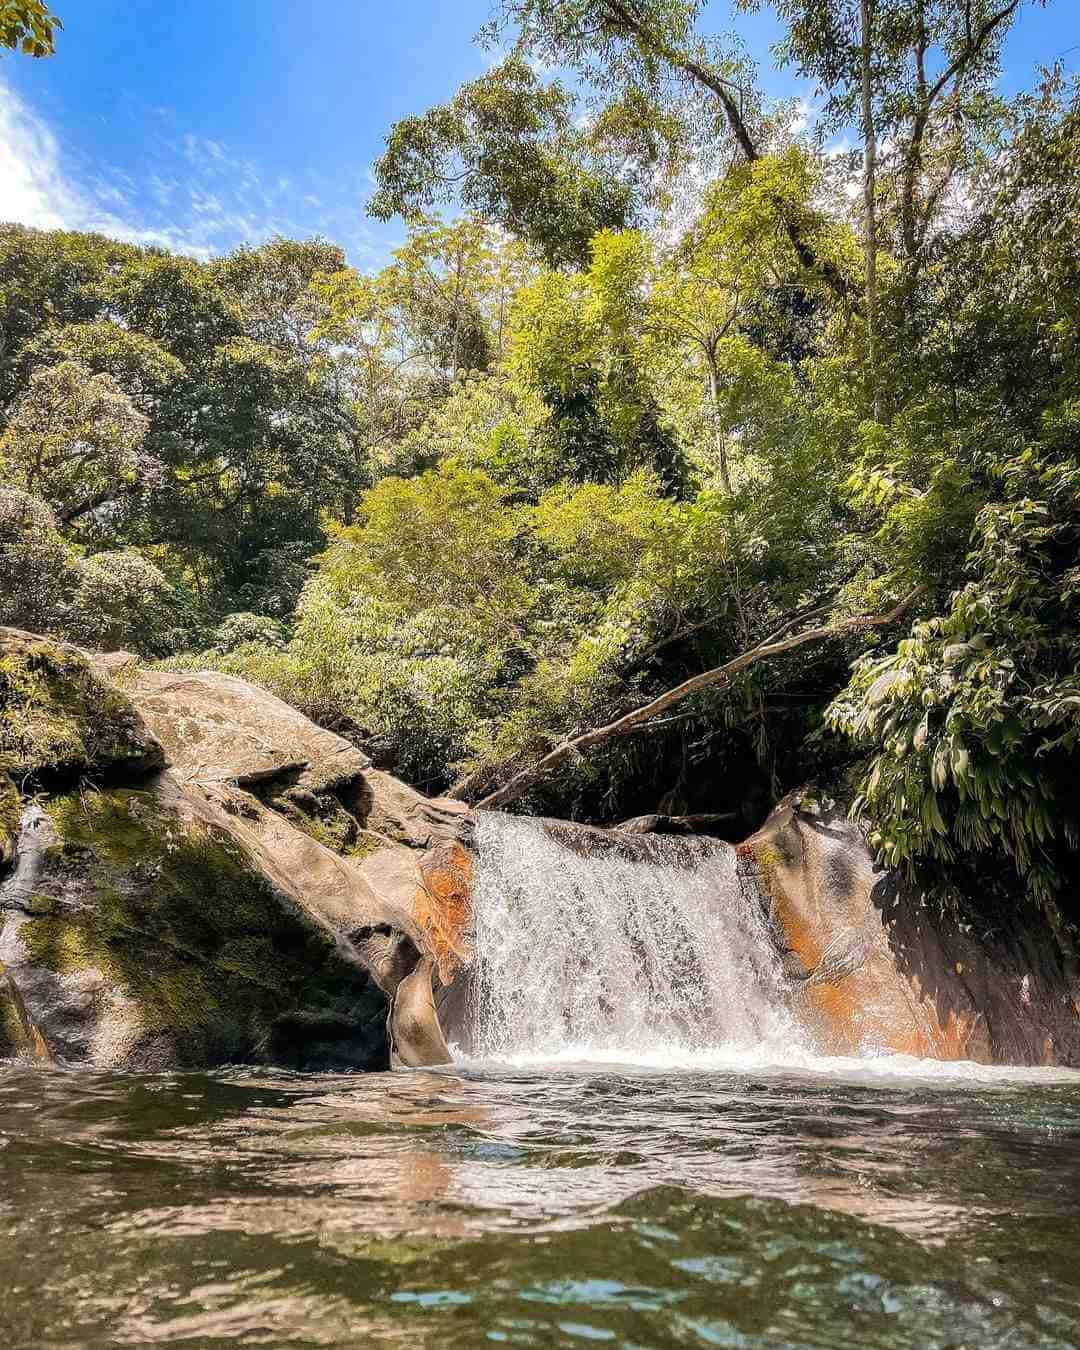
829, 1205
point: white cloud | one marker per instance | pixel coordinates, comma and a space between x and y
199, 199
32, 189
36, 190
205, 203
162, 188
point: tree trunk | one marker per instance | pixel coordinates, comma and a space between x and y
866, 8
719, 439
639, 718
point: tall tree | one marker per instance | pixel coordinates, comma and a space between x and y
916, 75
707, 294
652, 46
870, 242
508, 147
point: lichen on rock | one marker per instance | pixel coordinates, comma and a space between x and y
10, 811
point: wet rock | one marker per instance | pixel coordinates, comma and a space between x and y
878, 968
715, 823
141, 933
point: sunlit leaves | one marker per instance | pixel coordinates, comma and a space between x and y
506, 146
972, 721
28, 26
76, 440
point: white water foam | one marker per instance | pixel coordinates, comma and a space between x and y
589, 958
871, 1069
585, 948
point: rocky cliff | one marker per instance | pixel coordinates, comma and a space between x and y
877, 967
191, 872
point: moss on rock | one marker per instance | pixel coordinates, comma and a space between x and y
10, 811
11, 1030
171, 911
18, 1035
58, 718
322, 816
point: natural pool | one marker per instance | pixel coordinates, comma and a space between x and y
705, 1203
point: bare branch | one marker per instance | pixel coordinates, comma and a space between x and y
723, 675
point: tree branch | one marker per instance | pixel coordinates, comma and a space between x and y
723, 675
622, 17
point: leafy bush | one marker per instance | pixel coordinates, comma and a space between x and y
973, 722
237, 630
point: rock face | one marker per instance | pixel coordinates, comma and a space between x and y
194, 873
874, 969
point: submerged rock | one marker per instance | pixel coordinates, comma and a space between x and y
261, 898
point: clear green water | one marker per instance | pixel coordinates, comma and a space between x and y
539, 1207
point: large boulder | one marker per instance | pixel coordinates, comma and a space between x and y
191, 873
266, 896
141, 933
876, 967
218, 729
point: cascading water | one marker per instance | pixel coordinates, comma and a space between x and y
586, 945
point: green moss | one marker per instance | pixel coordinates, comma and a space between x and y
10, 813
172, 912
18, 1036
365, 844
56, 944
332, 827
323, 817
11, 1035
767, 856
57, 716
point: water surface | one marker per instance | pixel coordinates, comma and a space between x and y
721, 1203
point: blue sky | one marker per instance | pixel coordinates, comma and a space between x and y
203, 124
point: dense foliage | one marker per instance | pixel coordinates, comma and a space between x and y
676, 378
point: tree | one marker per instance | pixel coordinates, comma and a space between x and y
123, 600
37, 566
108, 600
488, 422
866, 51
444, 280
507, 147
973, 722
709, 290
50, 279
28, 26
579, 341
650, 46
139, 366
969, 726
918, 76
76, 440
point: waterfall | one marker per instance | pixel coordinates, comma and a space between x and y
587, 943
